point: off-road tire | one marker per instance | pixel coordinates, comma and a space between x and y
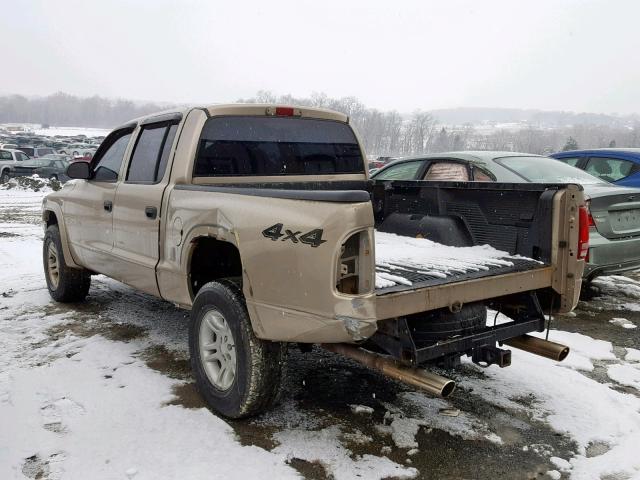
259, 363
73, 283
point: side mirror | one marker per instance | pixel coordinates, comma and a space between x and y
79, 170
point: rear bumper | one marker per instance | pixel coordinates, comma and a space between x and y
608, 257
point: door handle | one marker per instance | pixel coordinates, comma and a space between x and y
151, 212
108, 205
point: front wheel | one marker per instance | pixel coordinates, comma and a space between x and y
65, 284
237, 374
5, 177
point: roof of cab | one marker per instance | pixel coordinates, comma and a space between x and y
257, 109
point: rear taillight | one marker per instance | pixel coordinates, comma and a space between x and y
583, 232
352, 275
592, 223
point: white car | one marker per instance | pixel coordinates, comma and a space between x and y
8, 158
79, 150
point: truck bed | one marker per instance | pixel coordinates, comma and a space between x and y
442, 244
407, 263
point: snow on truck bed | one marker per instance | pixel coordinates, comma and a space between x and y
408, 261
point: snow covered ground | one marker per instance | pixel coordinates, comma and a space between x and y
102, 390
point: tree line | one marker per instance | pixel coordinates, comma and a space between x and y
64, 110
384, 133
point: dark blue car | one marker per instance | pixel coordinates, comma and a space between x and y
615, 165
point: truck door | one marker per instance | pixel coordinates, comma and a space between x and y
137, 214
88, 208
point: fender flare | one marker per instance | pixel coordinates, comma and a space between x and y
47, 209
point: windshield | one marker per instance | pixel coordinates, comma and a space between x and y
233, 146
547, 170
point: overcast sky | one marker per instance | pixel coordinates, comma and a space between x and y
394, 54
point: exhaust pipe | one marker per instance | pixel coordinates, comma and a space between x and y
432, 383
538, 346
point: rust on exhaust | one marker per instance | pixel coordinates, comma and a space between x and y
538, 346
431, 382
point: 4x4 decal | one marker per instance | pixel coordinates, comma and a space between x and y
313, 238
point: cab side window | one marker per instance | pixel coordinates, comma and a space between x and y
448, 172
151, 153
609, 169
106, 163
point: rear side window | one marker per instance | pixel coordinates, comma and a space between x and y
448, 172
573, 161
5, 155
150, 155
609, 169
401, 171
28, 151
480, 175
269, 146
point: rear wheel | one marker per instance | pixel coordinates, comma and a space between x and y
65, 284
237, 374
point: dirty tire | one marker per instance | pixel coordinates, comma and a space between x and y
4, 177
259, 363
72, 284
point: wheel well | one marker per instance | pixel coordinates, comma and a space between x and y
211, 260
50, 218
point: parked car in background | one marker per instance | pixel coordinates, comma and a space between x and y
36, 152
615, 165
79, 150
8, 159
52, 168
614, 218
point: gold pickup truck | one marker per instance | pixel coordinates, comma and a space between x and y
261, 220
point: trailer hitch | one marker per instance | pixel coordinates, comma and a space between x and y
487, 355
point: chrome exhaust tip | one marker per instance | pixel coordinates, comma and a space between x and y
416, 377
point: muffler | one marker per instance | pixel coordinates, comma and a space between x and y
538, 346
430, 382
